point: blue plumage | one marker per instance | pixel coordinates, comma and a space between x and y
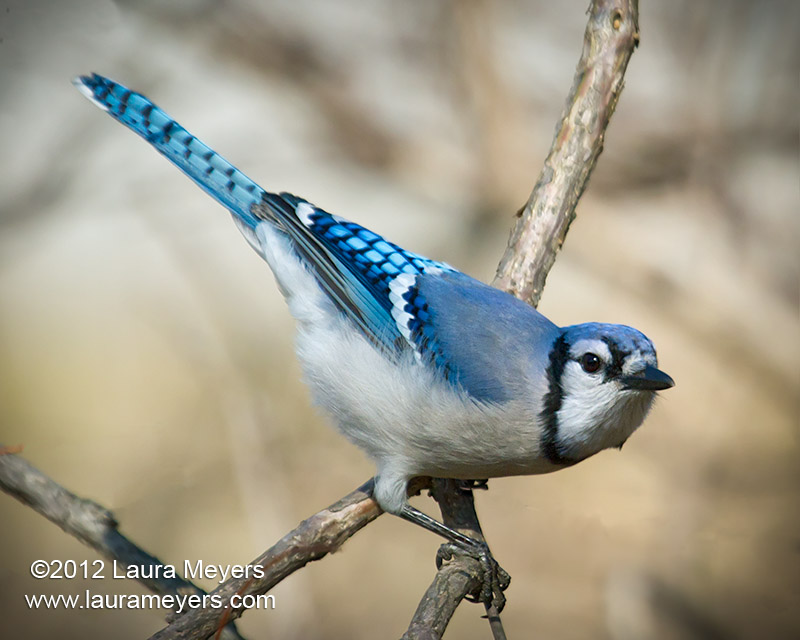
472, 353
354, 265
211, 171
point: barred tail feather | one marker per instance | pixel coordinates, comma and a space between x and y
218, 177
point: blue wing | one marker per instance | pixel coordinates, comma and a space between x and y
365, 275
371, 280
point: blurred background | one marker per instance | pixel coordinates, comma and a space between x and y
146, 356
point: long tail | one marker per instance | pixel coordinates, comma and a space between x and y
355, 267
218, 177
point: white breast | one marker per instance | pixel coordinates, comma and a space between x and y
404, 416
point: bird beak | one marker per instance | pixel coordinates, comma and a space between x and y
649, 379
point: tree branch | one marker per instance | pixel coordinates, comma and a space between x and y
89, 522
608, 43
458, 578
611, 35
313, 539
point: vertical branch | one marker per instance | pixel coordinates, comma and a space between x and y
458, 578
611, 35
608, 43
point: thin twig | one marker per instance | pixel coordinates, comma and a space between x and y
90, 523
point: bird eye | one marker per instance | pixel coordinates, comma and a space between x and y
590, 362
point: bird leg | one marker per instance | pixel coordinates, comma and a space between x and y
495, 578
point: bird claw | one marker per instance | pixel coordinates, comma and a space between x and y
495, 578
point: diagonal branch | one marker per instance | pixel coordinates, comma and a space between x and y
313, 539
611, 35
608, 43
96, 526
89, 522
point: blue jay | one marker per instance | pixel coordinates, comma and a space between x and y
430, 372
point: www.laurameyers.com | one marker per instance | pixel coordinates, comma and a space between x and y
177, 602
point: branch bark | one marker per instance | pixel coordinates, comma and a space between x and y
313, 539
611, 35
608, 43
457, 578
89, 522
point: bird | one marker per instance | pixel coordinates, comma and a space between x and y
426, 369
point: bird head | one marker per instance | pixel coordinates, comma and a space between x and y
602, 381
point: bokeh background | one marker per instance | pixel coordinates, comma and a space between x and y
146, 355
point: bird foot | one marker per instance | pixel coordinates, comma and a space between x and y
495, 578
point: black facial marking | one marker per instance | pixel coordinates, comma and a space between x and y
553, 399
614, 368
